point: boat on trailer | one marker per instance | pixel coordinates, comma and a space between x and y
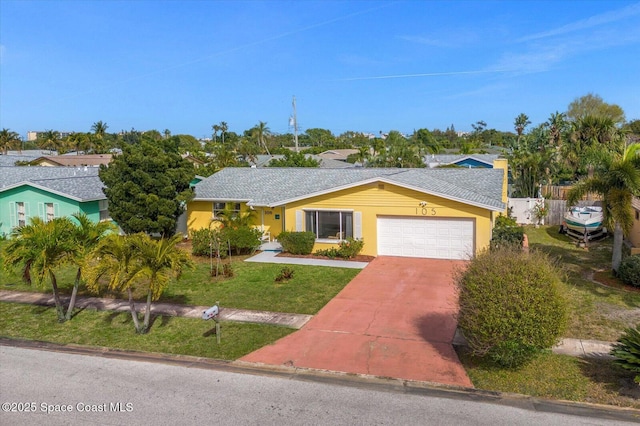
584, 222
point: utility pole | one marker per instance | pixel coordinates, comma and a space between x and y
295, 125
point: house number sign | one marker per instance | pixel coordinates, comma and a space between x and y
426, 211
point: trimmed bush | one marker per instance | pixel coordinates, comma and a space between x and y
627, 351
510, 305
629, 270
506, 232
297, 242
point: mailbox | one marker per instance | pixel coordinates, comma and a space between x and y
212, 312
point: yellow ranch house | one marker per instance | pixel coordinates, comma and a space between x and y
445, 213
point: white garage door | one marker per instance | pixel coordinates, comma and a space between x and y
425, 237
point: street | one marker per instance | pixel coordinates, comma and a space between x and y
42, 387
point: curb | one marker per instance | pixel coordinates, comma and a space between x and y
359, 381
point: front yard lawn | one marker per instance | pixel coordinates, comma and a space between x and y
597, 311
252, 286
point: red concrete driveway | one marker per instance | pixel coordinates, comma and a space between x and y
394, 319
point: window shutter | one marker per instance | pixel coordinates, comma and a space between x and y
41, 212
357, 225
56, 210
299, 223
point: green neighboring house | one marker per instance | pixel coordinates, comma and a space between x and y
49, 192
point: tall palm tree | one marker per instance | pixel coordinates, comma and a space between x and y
99, 128
40, 248
520, 124
215, 129
260, 132
87, 234
617, 179
223, 127
9, 140
158, 262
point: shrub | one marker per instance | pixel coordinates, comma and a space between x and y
506, 232
629, 270
350, 248
627, 351
243, 239
510, 305
297, 242
204, 240
347, 249
286, 273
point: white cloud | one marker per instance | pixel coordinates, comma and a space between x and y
591, 22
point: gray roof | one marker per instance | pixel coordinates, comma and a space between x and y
278, 186
444, 159
325, 163
81, 184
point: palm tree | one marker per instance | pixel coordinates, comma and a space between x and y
617, 179
158, 262
114, 260
223, 127
260, 131
87, 234
50, 140
99, 128
40, 248
9, 140
520, 123
215, 129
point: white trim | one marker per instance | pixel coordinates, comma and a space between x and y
299, 221
311, 209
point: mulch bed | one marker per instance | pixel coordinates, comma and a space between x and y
607, 279
358, 258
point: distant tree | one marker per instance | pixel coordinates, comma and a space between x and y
50, 140
147, 187
294, 159
223, 127
186, 143
9, 140
80, 142
593, 105
99, 128
425, 140
321, 137
520, 124
260, 133
167, 133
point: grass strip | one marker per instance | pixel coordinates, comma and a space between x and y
172, 335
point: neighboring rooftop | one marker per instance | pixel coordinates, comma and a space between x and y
92, 160
82, 184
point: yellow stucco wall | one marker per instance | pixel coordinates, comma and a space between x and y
200, 213
383, 199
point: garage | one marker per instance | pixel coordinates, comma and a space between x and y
434, 238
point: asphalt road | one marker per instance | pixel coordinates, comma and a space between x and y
53, 388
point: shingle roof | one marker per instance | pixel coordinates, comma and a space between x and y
82, 184
444, 159
277, 186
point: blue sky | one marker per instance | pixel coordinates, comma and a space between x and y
355, 65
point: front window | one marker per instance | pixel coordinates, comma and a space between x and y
219, 207
22, 218
49, 212
330, 225
104, 210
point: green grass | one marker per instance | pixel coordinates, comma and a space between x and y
595, 380
172, 335
597, 312
253, 286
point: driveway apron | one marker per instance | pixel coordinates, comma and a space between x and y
397, 318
